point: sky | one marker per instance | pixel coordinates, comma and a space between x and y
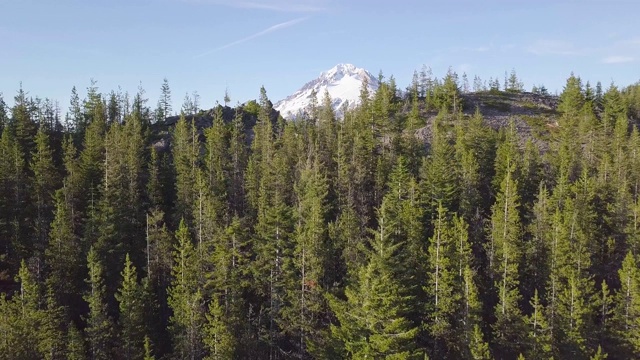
210, 46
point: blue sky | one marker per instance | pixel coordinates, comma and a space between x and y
211, 45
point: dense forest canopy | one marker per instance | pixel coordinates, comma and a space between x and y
457, 219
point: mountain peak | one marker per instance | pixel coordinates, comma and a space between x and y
339, 70
342, 82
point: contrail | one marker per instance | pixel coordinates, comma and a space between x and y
266, 31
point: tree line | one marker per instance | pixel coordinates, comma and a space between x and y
324, 238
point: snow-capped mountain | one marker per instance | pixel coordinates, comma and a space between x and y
343, 83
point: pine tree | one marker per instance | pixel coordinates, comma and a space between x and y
439, 178
132, 308
92, 159
441, 285
478, 347
539, 336
311, 256
185, 299
13, 243
218, 339
628, 308
273, 245
51, 337
470, 176
614, 108
75, 119
76, 349
504, 251
164, 103
99, 330
536, 262
570, 284
4, 118
372, 320
64, 256
572, 98
238, 163
148, 353
24, 126
185, 151
155, 185
22, 318
470, 338
45, 182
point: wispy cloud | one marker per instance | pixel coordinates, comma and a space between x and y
266, 31
554, 47
617, 59
272, 5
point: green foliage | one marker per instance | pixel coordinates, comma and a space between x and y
218, 340
185, 299
131, 298
253, 238
372, 320
100, 327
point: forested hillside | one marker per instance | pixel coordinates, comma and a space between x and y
444, 221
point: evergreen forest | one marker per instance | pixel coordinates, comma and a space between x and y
411, 227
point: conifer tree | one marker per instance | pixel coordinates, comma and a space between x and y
238, 163
99, 330
438, 172
613, 109
441, 285
45, 182
92, 160
218, 339
372, 319
478, 347
132, 307
311, 251
76, 349
21, 318
470, 338
148, 352
164, 103
273, 245
570, 283
64, 256
628, 308
185, 152
13, 243
155, 186
51, 337
572, 98
24, 126
4, 118
539, 336
469, 175
504, 252
185, 299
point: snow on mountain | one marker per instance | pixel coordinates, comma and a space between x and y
343, 83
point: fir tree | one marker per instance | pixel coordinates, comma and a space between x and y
218, 339
628, 309
76, 349
132, 307
185, 151
45, 182
504, 251
372, 320
185, 299
99, 330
